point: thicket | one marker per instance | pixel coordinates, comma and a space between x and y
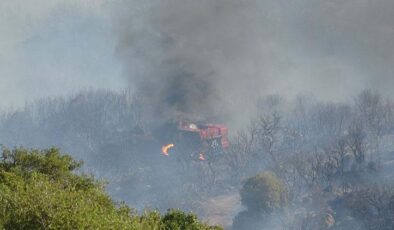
371, 207
41, 189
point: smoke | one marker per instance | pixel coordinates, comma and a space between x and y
218, 57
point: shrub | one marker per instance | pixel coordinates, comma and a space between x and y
40, 190
177, 220
263, 193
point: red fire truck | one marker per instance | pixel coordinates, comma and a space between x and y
200, 141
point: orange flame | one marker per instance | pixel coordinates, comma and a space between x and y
201, 157
166, 148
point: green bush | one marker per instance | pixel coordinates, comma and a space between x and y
177, 220
263, 193
39, 190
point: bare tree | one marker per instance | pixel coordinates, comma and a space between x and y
357, 143
373, 113
267, 130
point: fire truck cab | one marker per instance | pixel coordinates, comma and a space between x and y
198, 141
203, 138
214, 134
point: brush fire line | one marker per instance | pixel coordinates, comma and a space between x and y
198, 140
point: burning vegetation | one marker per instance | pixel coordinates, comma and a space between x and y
332, 160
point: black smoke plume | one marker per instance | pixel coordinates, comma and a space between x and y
218, 57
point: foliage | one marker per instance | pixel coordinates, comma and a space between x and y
263, 193
177, 220
40, 190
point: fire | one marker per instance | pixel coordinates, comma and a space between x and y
201, 157
166, 148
